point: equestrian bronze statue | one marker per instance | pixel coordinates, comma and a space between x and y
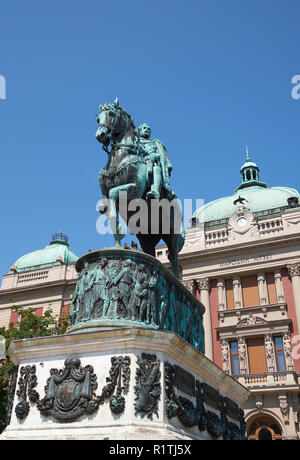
138, 171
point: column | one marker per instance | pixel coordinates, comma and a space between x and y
222, 294
294, 272
262, 289
237, 292
203, 284
278, 286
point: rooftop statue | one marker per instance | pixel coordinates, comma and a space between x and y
138, 167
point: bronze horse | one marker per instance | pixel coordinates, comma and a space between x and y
125, 174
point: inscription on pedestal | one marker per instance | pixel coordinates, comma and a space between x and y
184, 381
232, 409
211, 396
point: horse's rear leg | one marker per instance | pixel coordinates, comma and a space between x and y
148, 243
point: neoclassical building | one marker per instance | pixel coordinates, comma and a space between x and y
242, 259
41, 279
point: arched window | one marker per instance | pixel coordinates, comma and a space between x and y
264, 429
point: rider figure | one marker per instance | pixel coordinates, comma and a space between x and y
159, 166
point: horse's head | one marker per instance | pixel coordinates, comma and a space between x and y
113, 122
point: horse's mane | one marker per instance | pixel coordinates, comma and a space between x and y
114, 107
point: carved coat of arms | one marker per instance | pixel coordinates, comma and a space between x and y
70, 392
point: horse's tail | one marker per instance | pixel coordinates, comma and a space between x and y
181, 239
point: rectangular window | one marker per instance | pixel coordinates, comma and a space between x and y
235, 364
257, 356
279, 350
229, 294
250, 291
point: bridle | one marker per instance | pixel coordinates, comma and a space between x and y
112, 126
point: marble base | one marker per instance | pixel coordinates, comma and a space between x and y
97, 349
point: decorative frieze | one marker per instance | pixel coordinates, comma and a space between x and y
126, 287
70, 393
190, 415
251, 321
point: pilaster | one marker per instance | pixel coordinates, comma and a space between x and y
278, 286
262, 289
237, 292
294, 273
222, 294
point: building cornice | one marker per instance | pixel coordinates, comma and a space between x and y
268, 327
284, 240
37, 286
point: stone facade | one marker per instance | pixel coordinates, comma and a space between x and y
249, 281
40, 288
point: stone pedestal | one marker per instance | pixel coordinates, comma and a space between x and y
120, 384
131, 367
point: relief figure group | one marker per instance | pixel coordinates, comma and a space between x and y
126, 289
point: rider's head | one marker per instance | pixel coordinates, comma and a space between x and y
144, 130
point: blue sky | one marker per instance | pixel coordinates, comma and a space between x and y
209, 76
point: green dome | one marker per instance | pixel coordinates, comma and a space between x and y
259, 199
47, 257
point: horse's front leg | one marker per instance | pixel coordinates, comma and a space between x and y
118, 197
114, 222
109, 209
